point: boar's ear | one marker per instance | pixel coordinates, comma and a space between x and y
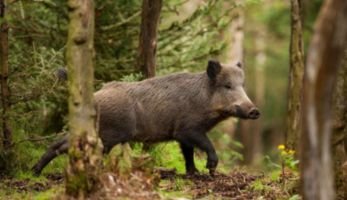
213, 68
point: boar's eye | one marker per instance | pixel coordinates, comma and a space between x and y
227, 86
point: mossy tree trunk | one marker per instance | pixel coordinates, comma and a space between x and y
324, 57
146, 61
85, 146
296, 74
5, 91
339, 138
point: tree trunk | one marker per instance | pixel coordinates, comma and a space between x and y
324, 58
251, 131
296, 74
235, 37
85, 146
235, 52
5, 91
148, 37
340, 131
259, 67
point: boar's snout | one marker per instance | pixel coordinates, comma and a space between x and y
254, 113
247, 111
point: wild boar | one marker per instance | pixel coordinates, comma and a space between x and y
181, 107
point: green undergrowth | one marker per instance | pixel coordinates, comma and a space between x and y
24, 156
163, 156
178, 188
14, 194
168, 155
273, 185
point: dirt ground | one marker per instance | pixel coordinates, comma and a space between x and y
139, 185
224, 186
27, 185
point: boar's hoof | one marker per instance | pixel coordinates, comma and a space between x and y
192, 172
212, 163
212, 172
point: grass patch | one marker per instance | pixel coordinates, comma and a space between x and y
169, 155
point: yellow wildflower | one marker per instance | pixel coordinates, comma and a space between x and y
291, 152
284, 153
281, 147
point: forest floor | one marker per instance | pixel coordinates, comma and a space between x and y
162, 184
157, 173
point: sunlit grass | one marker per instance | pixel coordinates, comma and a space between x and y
169, 155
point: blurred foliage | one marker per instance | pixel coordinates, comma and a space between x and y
269, 20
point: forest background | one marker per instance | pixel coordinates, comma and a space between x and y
190, 33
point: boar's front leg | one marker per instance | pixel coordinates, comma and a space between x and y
188, 153
201, 141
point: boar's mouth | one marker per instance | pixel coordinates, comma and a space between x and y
235, 112
240, 113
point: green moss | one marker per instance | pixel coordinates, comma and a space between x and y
175, 195
29, 181
49, 194
177, 188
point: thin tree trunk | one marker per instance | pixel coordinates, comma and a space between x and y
235, 36
324, 58
259, 67
235, 53
148, 37
251, 131
5, 91
85, 146
340, 131
296, 74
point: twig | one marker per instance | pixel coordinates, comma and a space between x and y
112, 26
37, 139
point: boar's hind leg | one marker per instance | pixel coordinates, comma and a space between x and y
110, 137
188, 153
53, 151
201, 141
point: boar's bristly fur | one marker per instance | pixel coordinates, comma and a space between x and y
181, 107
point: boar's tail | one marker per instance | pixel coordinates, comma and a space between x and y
53, 151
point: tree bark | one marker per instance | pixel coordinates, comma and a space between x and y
85, 146
235, 37
296, 74
340, 130
148, 37
235, 52
324, 58
251, 131
5, 91
259, 67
